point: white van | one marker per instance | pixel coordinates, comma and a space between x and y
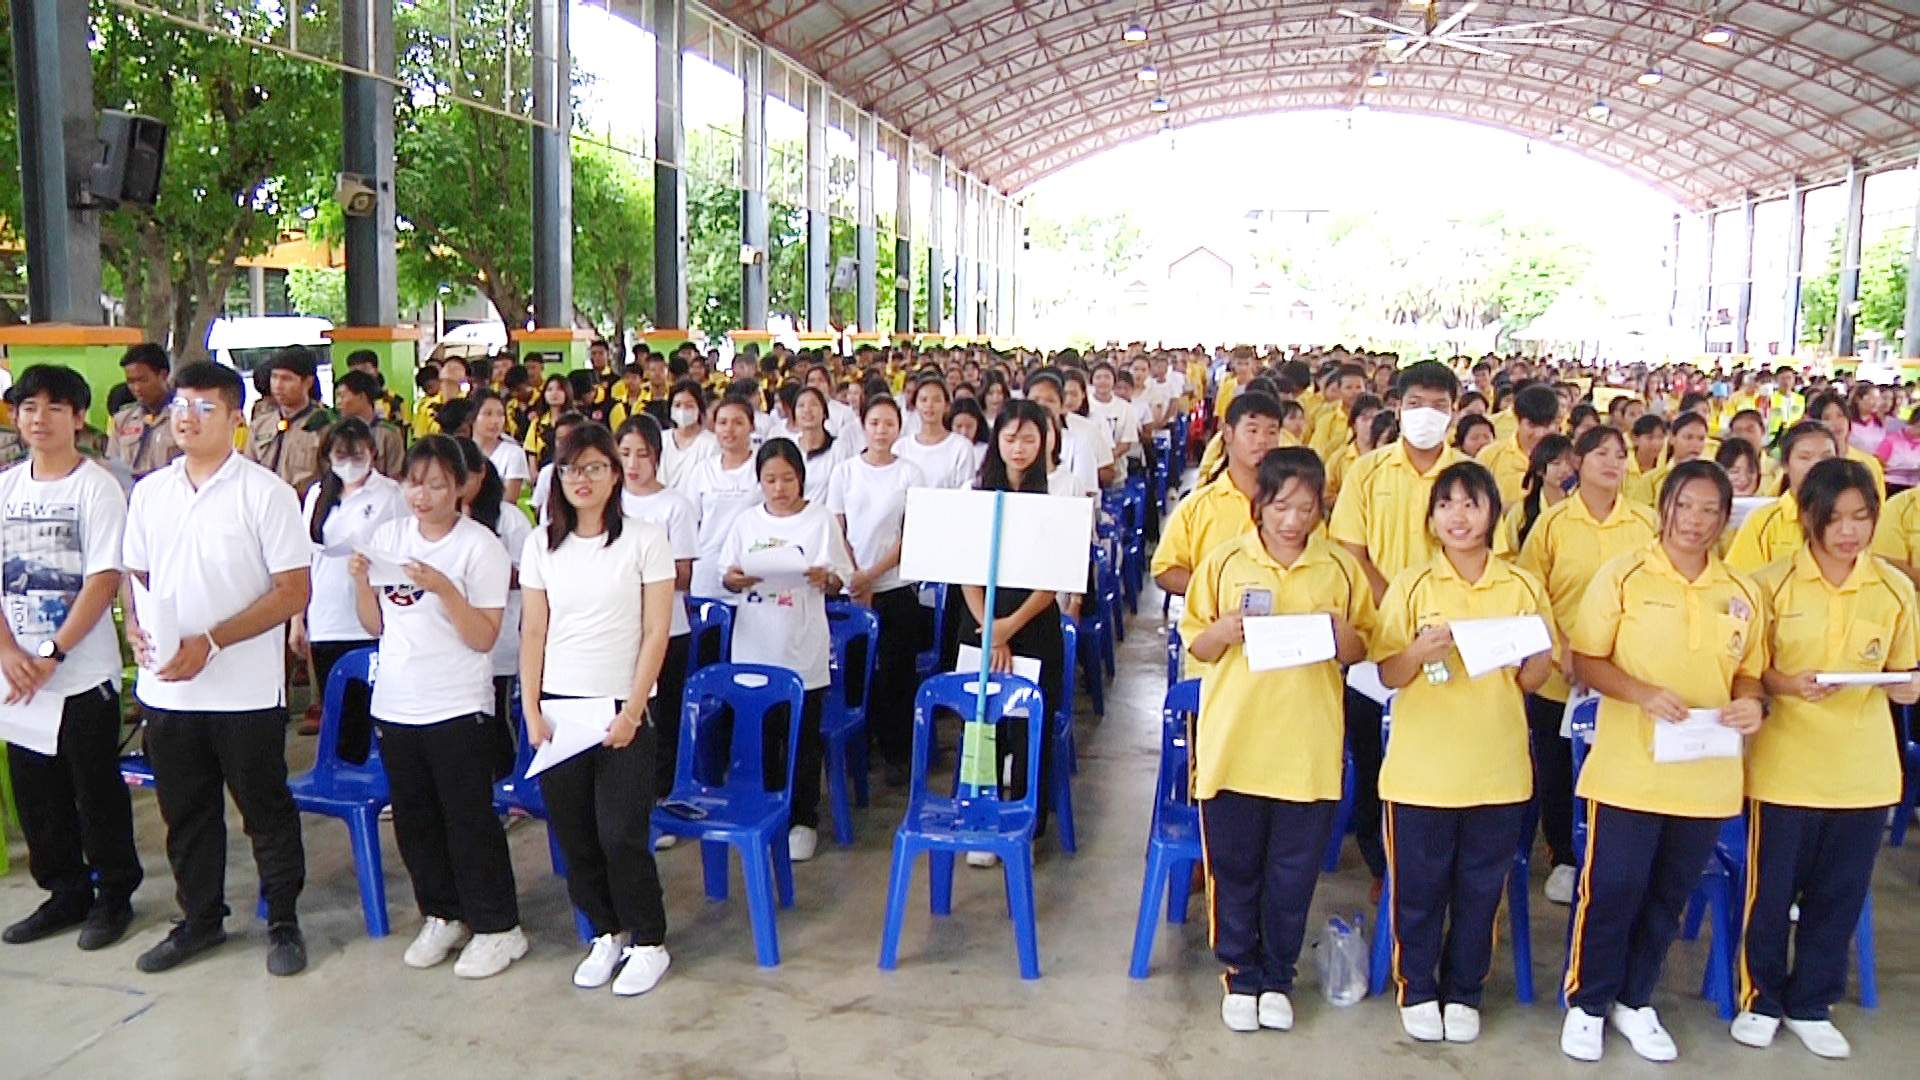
247, 343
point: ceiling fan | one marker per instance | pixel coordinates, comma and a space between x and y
1402, 43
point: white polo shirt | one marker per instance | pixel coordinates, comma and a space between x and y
215, 551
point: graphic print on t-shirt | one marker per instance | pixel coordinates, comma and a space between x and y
44, 568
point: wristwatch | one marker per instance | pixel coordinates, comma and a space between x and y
49, 650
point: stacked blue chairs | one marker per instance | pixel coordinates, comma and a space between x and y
926, 663
1517, 912
1175, 647
519, 793
710, 632
1106, 600
1173, 838
1066, 756
738, 811
941, 827
353, 793
1088, 632
843, 726
1910, 751
1162, 469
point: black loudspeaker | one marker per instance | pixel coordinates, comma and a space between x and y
133, 150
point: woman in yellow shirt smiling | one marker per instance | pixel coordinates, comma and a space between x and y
1824, 770
1660, 632
1773, 532
1457, 777
1269, 779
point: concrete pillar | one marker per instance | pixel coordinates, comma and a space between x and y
753, 194
819, 230
963, 256
552, 167
58, 140
867, 240
1796, 245
1744, 309
1848, 291
903, 242
1911, 346
1673, 262
1707, 311
936, 245
669, 26
1016, 320
366, 106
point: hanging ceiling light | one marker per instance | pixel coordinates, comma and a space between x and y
1560, 134
1377, 78
1719, 34
1147, 74
1599, 110
1651, 77
1134, 34
1362, 107
1158, 105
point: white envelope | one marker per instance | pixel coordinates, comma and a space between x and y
1491, 644
1861, 678
1275, 642
577, 726
160, 620
1699, 737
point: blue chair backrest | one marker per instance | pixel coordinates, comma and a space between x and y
852, 625
1104, 575
1070, 649
358, 666
709, 631
750, 692
939, 592
958, 692
1177, 717
1175, 655
1581, 727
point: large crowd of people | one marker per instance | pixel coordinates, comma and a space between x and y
1696, 543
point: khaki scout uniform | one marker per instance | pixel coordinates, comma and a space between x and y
290, 446
141, 440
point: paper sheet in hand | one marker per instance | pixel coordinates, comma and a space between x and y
385, 568
778, 568
1861, 678
577, 726
1698, 737
34, 724
1283, 641
1364, 679
1490, 644
160, 621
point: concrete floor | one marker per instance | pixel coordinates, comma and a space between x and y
955, 1007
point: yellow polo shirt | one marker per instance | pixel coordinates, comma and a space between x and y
1216, 449
1505, 423
1383, 508
1242, 742
1508, 464
1209, 517
1690, 637
1641, 485
1463, 742
424, 421
1567, 548
1838, 753
1767, 535
1329, 430
1898, 535
1337, 465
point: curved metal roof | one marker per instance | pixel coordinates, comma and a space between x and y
1016, 89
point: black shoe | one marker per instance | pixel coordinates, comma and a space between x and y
286, 949
179, 946
106, 923
57, 914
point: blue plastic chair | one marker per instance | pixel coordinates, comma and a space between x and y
1173, 838
136, 771
1066, 759
1175, 648
710, 632
926, 662
1517, 913
843, 722
1088, 630
1342, 816
738, 811
353, 793
1910, 751
934, 824
1107, 578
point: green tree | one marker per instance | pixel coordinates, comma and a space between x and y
613, 239
1882, 292
319, 292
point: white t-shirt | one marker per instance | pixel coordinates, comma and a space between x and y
785, 627
427, 674
505, 654
675, 462
845, 425
1115, 416
873, 499
330, 610
542, 486
509, 460
719, 494
946, 464
1079, 456
594, 606
1096, 437
670, 510
820, 466
215, 551
1062, 482
54, 535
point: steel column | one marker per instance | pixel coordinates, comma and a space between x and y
936, 268
1744, 309
753, 194
1848, 290
866, 237
53, 81
903, 242
1796, 247
366, 106
552, 166
669, 25
819, 230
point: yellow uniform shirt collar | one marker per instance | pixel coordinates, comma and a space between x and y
1397, 456
1715, 572
1496, 572
1806, 567
1316, 551
1615, 516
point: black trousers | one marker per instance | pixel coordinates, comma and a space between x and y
895, 680
1640, 869
356, 721
1363, 744
74, 809
598, 805
809, 761
1552, 776
1262, 859
193, 754
1822, 860
1450, 867
441, 776
664, 712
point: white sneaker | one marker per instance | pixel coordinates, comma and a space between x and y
1821, 1037
1642, 1028
1560, 883
1240, 1012
1582, 1035
489, 954
435, 942
1755, 1030
1423, 1022
1276, 1011
987, 860
602, 957
645, 965
666, 841
801, 842
1462, 1022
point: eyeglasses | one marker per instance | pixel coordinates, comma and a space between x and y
204, 408
592, 470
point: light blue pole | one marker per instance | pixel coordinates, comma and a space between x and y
980, 763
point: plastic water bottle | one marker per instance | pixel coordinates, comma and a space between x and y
1436, 672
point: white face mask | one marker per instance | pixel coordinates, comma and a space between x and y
351, 472
684, 416
1424, 428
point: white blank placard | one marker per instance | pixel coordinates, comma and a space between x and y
1044, 539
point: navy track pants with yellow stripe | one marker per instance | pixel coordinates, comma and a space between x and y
1449, 871
1638, 872
1823, 861
1263, 861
